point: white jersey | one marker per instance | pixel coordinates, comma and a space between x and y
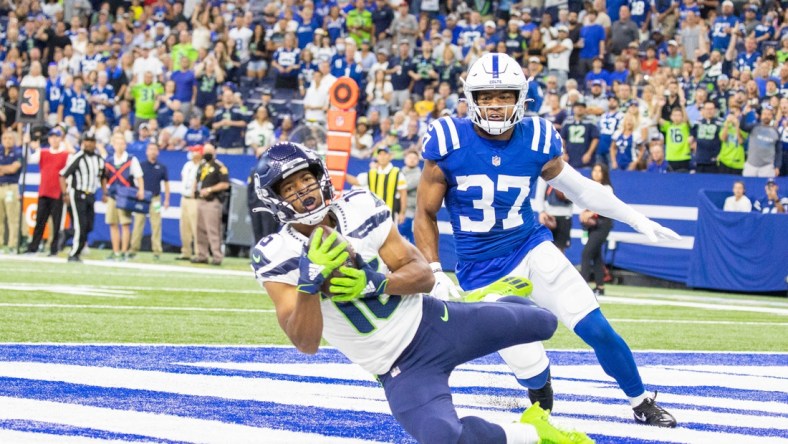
372, 332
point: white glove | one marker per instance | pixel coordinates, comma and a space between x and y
654, 231
444, 288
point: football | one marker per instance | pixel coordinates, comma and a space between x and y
350, 262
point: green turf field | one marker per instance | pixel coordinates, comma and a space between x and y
52, 301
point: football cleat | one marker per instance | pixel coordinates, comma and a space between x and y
508, 286
549, 433
543, 396
648, 412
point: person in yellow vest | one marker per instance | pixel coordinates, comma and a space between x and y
387, 182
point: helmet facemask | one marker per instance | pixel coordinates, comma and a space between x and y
280, 205
495, 72
480, 114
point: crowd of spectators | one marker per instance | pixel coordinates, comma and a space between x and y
702, 76
651, 85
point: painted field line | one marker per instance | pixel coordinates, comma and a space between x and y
74, 290
670, 321
720, 307
134, 266
156, 425
762, 301
137, 307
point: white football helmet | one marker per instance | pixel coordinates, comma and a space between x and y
495, 71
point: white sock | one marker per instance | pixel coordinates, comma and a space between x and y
637, 400
519, 433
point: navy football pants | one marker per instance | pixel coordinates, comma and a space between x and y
417, 387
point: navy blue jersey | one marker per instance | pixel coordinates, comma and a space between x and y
579, 136
489, 182
707, 136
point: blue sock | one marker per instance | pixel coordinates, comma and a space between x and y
535, 382
612, 352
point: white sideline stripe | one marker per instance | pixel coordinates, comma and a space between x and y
671, 321
370, 399
137, 307
77, 290
683, 297
722, 307
134, 266
255, 310
156, 425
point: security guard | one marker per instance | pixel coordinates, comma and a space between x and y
10, 170
212, 183
154, 173
388, 183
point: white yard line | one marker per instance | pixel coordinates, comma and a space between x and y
673, 321
137, 307
713, 306
161, 268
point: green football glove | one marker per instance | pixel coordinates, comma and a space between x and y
357, 283
320, 261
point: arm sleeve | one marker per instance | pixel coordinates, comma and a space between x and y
588, 194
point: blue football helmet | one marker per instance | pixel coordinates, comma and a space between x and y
280, 162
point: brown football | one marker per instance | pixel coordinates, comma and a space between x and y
350, 262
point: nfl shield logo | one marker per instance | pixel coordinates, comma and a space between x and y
496, 161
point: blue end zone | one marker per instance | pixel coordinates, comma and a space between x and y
292, 416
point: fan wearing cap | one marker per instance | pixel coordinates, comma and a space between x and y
723, 27
387, 182
764, 148
772, 203
581, 137
51, 159
79, 181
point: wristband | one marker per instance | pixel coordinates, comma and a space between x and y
436, 267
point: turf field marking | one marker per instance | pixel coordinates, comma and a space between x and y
133, 266
137, 307
76, 290
758, 300
159, 426
723, 307
684, 321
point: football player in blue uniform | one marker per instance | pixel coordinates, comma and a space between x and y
484, 167
377, 314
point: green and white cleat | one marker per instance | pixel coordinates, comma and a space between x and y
508, 286
549, 433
